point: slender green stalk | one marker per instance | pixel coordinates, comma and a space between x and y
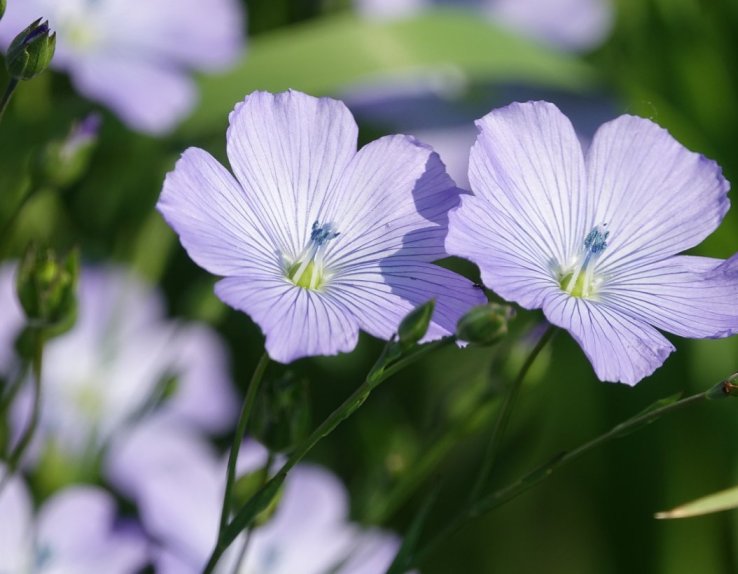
16, 456
9, 90
263, 496
508, 493
248, 404
503, 417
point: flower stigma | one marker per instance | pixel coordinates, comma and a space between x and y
580, 280
308, 271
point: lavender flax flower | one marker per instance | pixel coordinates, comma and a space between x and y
135, 56
74, 531
315, 239
593, 239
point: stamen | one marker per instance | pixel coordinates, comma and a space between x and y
307, 270
580, 281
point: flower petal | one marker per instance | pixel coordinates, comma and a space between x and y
393, 198
16, 526
380, 297
488, 238
297, 322
212, 216
148, 96
288, 150
527, 166
620, 348
687, 296
657, 197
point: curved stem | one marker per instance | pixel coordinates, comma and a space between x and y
263, 496
503, 417
508, 493
248, 404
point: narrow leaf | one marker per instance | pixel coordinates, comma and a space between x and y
717, 502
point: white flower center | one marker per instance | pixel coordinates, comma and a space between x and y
308, 270
580, 279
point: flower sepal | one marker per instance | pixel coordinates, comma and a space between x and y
31, 51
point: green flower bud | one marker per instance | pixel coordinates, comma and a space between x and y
31, 51
485, 324
63, 162
415, 324
246, 486
47, 289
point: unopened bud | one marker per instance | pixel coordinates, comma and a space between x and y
485, 324
63, 162
281, 418
47, 288
415, 324
31, 51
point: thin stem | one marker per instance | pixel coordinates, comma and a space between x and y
503, 417
376, 376
9, 90
508, 493
16, 456
248, 404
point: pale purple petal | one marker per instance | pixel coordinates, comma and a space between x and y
380, 297
568, 24
149, 96
620, 347
213, 217
657, 197
288, 150
372, 552
687, 296
297, 322
16, 525
400, 197
11, 319
531, 208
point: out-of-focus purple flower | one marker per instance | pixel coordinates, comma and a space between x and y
74, 531
177, 482
594, 240
315, 239
568, 24
136, 57
110, 367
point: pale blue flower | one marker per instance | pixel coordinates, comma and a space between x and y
316, 239
594, 238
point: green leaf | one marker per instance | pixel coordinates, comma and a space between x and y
325, 55
723, 500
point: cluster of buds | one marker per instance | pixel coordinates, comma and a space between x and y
31, 51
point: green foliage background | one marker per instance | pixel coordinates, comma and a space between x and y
670, 60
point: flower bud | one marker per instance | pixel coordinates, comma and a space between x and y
63, 162
31, 51
247, 486
47, 289
485, 324
415, 324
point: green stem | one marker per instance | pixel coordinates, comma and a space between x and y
503, 417
9, 90
243, 420
16, 456
263, 496
508, 493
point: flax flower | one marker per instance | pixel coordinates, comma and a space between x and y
136, 56
315, 239
594, 238
74, 531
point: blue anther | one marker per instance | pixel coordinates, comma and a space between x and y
596, 240
321, 234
